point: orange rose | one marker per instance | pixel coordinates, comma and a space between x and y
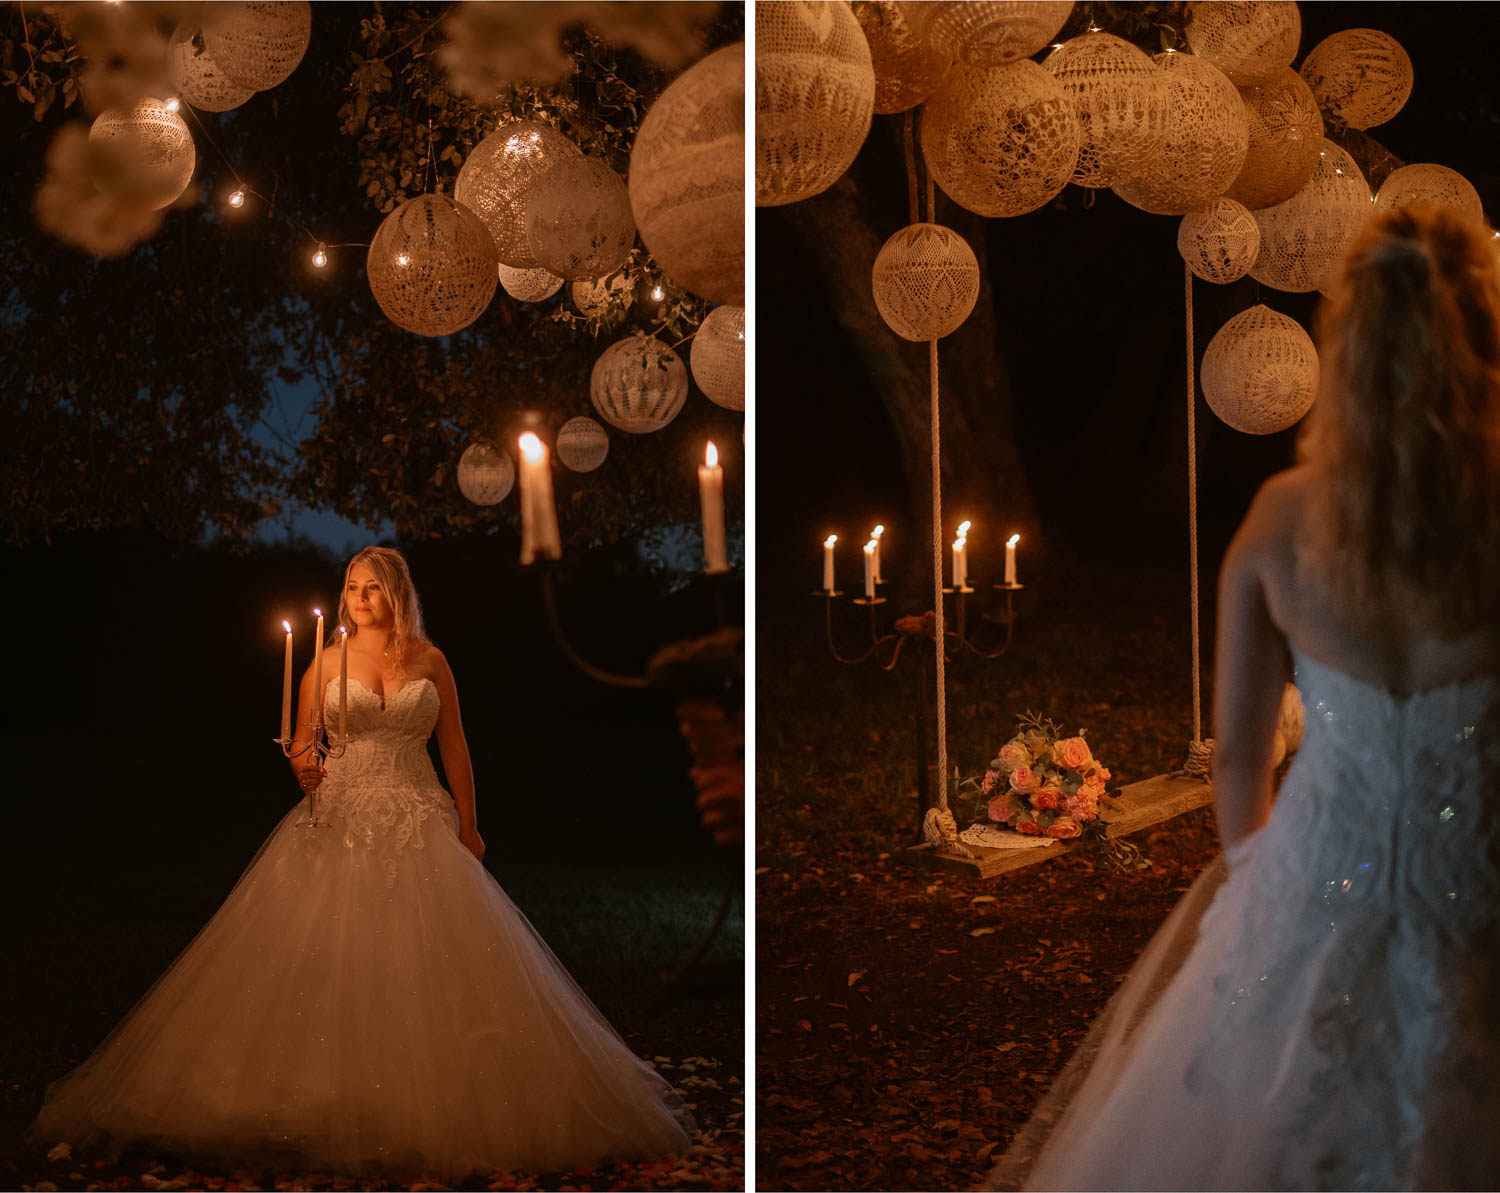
1064, 827
1073, 753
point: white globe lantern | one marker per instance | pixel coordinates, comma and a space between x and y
582, 444
1249, 40
1286, 135
529, 285
432, 266
1122, 100
1260, 372
1303, 240
1432, 185
718, 357
1361, 76
151, 156
907, 69
485, 475
578, 219
257, 43
198, 78
496, 179
1219, 243
988, 33
926, 281
639, 384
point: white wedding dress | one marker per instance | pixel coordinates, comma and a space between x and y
1326, 1015
368, 999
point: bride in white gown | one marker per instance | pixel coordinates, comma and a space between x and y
368, 999
1324, 1011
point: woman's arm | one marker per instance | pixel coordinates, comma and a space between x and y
1251, 668
455, 754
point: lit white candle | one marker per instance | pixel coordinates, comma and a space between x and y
711, 499
875, 538
963, 553
539, 535
286, 687
1010, 558
828, 562
870, 548
958, 562
318, 670
343, 683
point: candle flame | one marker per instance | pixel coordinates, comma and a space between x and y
877, 532
343, 631
963, 528
531, 447
830, 540
960, 543
317, 613
1013, 540
711, 456
288, 626
870, 547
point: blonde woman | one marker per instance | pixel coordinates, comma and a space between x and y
1329, 1016
368, 1000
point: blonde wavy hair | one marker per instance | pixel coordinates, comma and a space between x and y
1404, 440
389, 568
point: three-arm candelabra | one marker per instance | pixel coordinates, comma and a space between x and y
322, 746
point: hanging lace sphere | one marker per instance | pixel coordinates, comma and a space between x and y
1360, 76
990, 32
1260, 372
150, 159
687, 178
197, 79
595, 297
1433, 185
907, 69
1000, 142
582, 444
926, 280
496, 178
1249, 40
1303, 240
432, 266
718, 357
814, 97
1122, 100
1286, 134
257, 43
1220, 242
529, 285
485, 475
1208, 132
638, 384
578, 218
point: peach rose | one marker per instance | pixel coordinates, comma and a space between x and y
1073, 753
1048, 799
1063, 827
1012, 755
1024, 780
1030, 827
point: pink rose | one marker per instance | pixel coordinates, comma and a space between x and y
1030, 827
1002, 808
1023, 780
1063, 827
1048, 799
1073, 753
1013, 754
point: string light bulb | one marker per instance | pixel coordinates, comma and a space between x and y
173, 104
320, 258
402, 259
657, 293
237, 199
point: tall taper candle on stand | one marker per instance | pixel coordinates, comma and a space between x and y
318, 675
875, 538
828, 562
870, 549
1010, 558
539, 534
711, 499
286, 687
343, 683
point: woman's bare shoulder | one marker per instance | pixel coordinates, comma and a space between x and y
428, 660
1277, 508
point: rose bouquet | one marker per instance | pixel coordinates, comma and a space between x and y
1042, 783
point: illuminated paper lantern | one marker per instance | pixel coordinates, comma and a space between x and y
1208, 133
485, 475
432, 266
529, 285
198, 79
907, 69
496, 179
1000, 142
595, 297
638, 384
582, 444
718, 357
150, 156
257, 43
1303, 240
1432, 185
1360, 76
1122, 100
687, 178
578, 218
1219, 243
1260, 372
1286, 135
926, 280
814, 97
1249, 40
990, 32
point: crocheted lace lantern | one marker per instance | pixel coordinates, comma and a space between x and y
1000, 142
718, 357
1360, 76
638, 384
432, 266
990, 32
529, 285
257, 43
814, 97
926, 280
1122, 102
907, 69
1220, 242
594, 297
1286, 134
1433, 185
497, 175
152, 159
578, 218
1303, 239
1260, 373
687, 178
485, 475
197, 79
1249, 40
582, 444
